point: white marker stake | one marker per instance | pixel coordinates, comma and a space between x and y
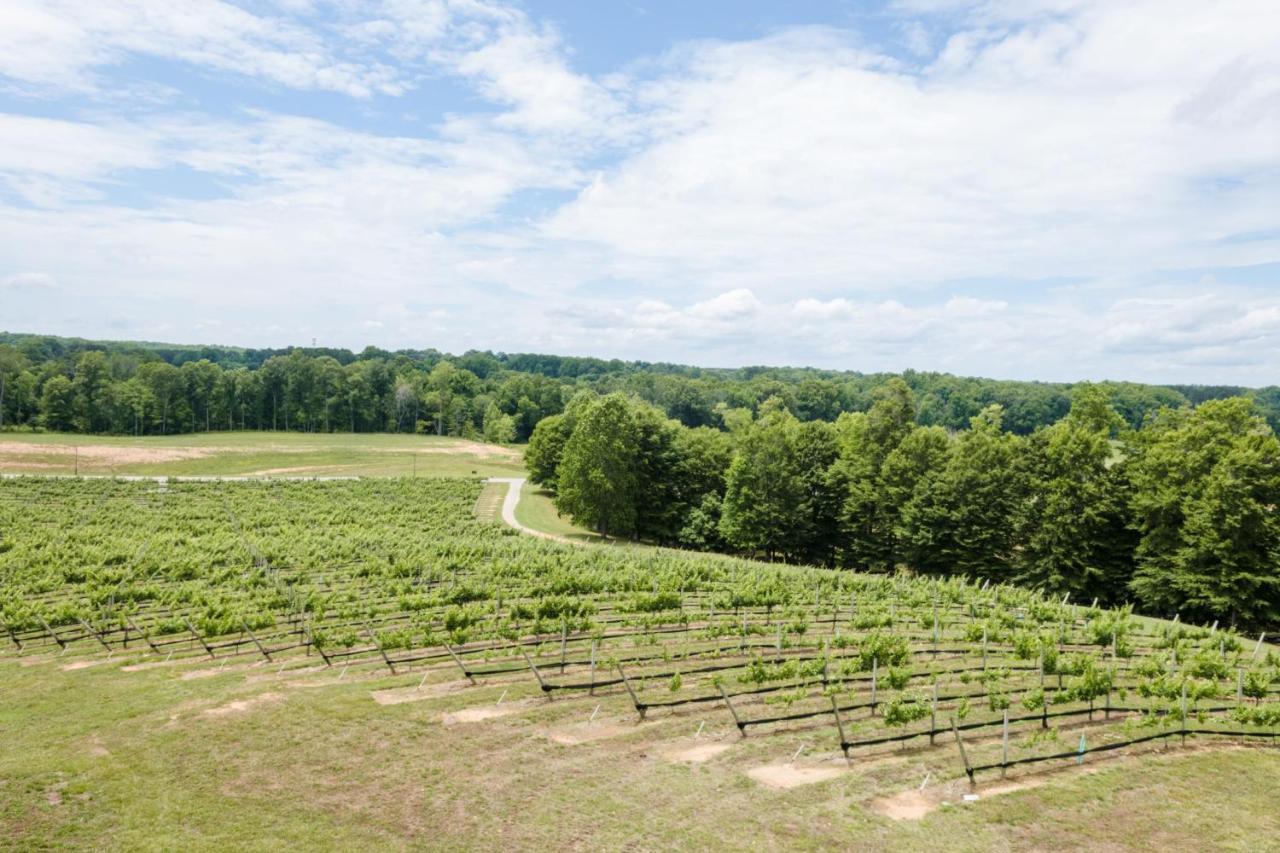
698, 733
927, 776
798, 751
593, 714
503, 696
166, 659
423, 681
343, 674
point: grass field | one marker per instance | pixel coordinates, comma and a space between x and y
138, 749
537, 510
164, 758
258, 454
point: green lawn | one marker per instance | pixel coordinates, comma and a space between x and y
537, 509
100, 758
257, 454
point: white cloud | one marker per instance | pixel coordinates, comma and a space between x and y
795, 198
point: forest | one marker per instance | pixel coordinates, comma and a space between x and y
1178, 516
131, 388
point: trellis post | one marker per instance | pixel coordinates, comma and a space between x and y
381, 650
448, 648
964, 756
844, 741
265, 653
742, 730
542, 684
196, 634
142, 634
626, 682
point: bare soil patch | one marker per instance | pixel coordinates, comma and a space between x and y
698, 754
484, 712
790, 775
579, 733
96, 748
98, 454
469, 448
221, 669
80, 664
241, 706
400, 695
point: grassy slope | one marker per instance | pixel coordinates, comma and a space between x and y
537, 510
105, 759
241, 453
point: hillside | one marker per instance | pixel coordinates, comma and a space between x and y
276, 663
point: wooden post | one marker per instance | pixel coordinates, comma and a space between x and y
591, 691
564, 642
142, 634
964, 756
381, 650
52, 633
1004, 744
1239, 685
196, 634
13, 636
844, 742
1184, 713
536, 674
626, 682
94, 631
737, 722
984, 650
265, 653
448, 648
933, 715
779, 641
875, 662
311, 642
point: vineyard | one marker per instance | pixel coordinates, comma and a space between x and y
398, 579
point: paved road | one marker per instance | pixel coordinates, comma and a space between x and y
515, 485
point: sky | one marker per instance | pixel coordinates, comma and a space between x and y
1033, 189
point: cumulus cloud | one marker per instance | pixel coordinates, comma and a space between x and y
806, 196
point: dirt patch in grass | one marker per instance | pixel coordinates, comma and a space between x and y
241, 706
96, 748
578, 733
697, 754
108, 455
400, 695
80, 664
221, 669
470, 448
790, 775
485, 712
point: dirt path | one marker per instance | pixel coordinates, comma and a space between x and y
515, 486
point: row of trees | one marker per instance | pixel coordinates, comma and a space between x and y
114, 393
377, 390
1178, 516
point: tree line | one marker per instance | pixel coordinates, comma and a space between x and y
1178, 516
146, 389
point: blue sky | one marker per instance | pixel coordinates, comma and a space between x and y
1055, 189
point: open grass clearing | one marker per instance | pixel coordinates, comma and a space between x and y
257, 454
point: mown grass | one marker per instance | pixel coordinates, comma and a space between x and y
104, 759
537, 509
255, 454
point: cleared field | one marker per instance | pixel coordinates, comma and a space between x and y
257, 454
256, 665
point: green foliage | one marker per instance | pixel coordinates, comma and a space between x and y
905, 709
